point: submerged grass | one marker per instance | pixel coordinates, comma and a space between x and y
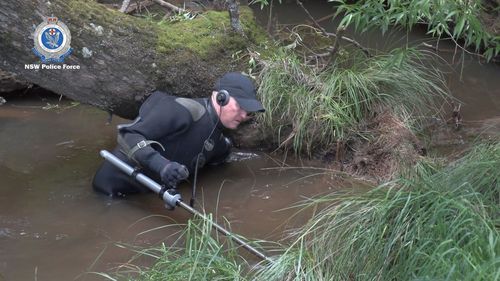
309, 108
438, 226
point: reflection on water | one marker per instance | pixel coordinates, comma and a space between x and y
54, 227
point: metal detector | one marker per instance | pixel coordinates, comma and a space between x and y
173, 200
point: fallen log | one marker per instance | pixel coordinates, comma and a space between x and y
122, 58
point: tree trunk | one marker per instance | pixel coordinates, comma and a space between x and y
234, 15
121, 58
125, 5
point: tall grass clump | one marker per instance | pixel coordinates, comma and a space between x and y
203, 257
198, 254
440, 226
309, 108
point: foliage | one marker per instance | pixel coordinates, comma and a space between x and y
262, 3
312, 108
202, 35
439, 226
181, 16
457, 19
201, 256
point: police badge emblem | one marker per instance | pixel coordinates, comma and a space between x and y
52, 41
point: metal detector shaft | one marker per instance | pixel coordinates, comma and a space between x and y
175, 200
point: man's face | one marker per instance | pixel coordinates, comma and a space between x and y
231, 115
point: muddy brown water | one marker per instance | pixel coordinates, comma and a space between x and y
54, 227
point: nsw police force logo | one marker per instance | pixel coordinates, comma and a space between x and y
52, 41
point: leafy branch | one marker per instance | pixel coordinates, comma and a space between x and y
457, 19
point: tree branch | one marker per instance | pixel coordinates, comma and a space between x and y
125, 5
352, 41
340, 31
312, 18
138, 6
328, 34
169, 6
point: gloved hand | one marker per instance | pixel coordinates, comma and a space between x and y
173, 173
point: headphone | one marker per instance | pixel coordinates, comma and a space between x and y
222, 97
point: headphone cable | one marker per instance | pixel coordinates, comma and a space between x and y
195, 178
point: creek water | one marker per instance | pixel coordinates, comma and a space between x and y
54, 227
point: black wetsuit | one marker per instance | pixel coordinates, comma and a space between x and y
182, 126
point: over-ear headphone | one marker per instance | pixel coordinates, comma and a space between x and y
222, 97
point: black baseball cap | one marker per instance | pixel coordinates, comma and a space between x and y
241, 88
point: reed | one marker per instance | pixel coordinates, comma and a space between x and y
198, 253
203, 256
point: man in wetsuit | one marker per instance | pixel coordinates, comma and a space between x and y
173, 136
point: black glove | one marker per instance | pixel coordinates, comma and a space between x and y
173, 173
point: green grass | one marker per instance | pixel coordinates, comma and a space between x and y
203, 256
441, 225
309, 109
199, 253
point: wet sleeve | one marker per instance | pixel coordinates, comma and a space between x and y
160, 118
